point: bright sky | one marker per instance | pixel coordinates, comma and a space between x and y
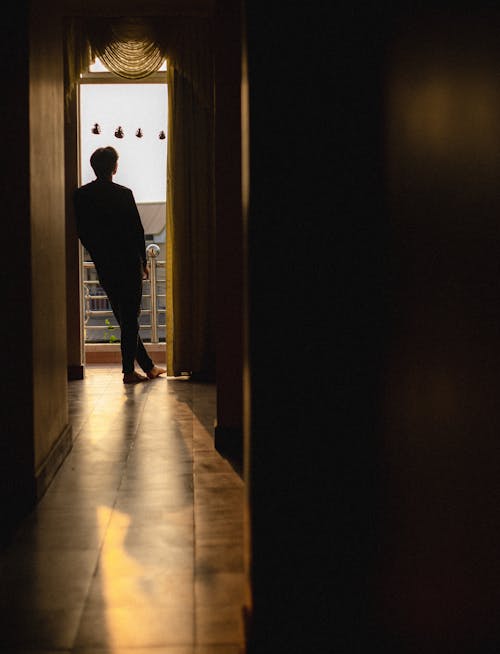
142, 162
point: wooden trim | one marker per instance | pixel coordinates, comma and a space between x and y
53, 461
229, 444
75, 372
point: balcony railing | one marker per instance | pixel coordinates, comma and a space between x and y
100, 324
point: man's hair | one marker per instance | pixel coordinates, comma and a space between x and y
103, 161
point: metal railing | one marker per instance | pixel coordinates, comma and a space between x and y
99, 322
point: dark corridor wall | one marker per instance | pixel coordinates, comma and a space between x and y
374, 240
439, 569
16, 415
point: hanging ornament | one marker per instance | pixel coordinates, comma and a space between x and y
96, 129
139, 133
161, 135
119, 132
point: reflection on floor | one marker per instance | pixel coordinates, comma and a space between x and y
136, 547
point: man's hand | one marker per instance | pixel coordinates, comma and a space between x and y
145, 272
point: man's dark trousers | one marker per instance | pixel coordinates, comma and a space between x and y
123, 287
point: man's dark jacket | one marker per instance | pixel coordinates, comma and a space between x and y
109, 226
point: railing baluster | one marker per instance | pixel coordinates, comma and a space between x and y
92, 311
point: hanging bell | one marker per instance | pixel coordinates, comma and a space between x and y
139, 133
161, 135
119, 133
96, 129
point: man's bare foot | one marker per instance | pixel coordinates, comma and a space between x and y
133, 377
155, 372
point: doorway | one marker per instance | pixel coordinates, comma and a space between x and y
132, 117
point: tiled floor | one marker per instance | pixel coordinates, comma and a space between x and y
137, 546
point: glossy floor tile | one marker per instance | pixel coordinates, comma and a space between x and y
137, 545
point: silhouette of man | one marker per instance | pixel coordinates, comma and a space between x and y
110, 228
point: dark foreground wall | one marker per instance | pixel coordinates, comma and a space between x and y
34, 431
439, 574
16, 414
374, 247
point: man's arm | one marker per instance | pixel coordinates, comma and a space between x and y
138, 233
